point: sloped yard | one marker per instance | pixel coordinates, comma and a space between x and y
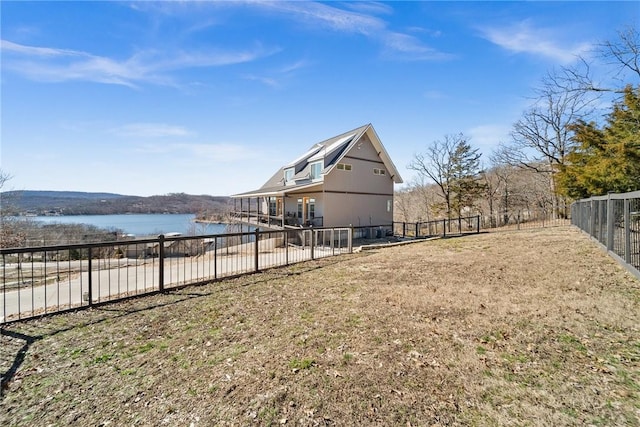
518, 328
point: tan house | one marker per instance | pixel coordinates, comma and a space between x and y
344, 180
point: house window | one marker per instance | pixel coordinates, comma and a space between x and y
316, 170
312, 208
288, 175
389, 205
343, 166
377, 171
299, 208
272, 206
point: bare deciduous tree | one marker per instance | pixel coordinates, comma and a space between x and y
453, 166
621, 54
435, 164
403, 204
541, 139
10, 233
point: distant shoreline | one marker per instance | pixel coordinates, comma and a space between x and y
139, 224
210, 221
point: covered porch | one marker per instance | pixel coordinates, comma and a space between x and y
279, 209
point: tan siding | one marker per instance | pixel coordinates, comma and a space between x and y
356, 210
360, 178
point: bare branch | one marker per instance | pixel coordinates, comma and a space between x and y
625, 52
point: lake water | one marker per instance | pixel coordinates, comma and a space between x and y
140, 224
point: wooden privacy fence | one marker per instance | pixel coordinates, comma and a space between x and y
614, 221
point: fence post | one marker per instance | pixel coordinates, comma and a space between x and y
161, 262
518, 220
313, 242
404, 230
459, 225
333, 249
627, 231
255, 256
610, 222
350, 240
602, 238
215, 257
89, 275
444, 228
417, 230
478, 224
592, 218
286, 247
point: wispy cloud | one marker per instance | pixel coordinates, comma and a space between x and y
524, 37
295, 66
328, 16
369, 7
488, 136
359, 20
151, 130
405, 46
218, 152
155, 67
268, 81
278, 77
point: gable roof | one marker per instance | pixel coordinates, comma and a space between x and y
331, 151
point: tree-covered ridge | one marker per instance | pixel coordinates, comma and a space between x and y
74, 203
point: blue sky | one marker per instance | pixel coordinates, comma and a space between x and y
147, 98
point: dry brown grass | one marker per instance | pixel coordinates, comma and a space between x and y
519, 328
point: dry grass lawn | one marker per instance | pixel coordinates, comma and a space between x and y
518, 328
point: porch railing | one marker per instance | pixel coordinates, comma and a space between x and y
275, 221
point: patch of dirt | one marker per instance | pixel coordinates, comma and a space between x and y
535, 327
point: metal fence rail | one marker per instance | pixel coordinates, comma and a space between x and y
523, 220
614, 221
519, 220
440, 227
50, 279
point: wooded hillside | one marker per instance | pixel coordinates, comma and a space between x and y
78, 203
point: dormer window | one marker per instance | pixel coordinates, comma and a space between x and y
316, 170
288, 175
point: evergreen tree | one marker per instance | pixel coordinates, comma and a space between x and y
466, 185
608, 159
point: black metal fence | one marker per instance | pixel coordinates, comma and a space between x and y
524, 219
48, 279
614, 221
519, 220
441, 227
